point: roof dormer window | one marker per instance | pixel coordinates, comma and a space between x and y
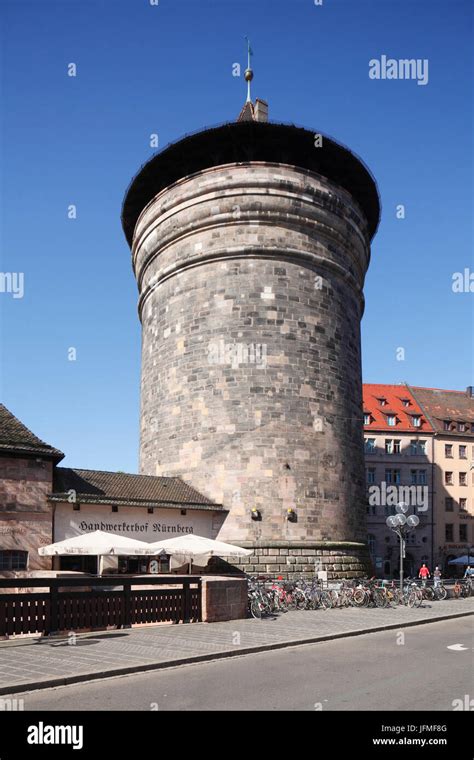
382, 401
391, 420
367, 419
406, 401
416, 420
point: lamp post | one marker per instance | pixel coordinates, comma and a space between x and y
401, 525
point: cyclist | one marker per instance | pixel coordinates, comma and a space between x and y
469, 572
424, 574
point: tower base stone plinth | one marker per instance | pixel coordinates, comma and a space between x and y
292, 560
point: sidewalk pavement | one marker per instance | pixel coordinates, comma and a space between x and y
42, 663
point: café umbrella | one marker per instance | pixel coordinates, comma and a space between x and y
464, 560
98, 544
197, 549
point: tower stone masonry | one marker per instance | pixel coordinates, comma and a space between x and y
250, 247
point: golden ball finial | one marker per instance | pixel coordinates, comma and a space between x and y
248, 75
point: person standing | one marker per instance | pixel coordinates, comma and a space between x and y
469, 572
437, 577
424, 574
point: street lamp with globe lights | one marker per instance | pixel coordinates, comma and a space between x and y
401, 525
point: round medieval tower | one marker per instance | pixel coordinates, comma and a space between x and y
250, 243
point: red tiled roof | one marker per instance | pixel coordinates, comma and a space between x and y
441, 405
393, 395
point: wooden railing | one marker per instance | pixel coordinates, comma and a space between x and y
109, 601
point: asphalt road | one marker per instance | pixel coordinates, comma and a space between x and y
376, 671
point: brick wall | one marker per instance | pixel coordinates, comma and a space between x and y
25, 514
223, 599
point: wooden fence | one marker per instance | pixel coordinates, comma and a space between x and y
109, 601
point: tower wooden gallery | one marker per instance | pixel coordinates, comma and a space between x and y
250, 242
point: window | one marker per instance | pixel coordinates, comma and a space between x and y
392, 476
370, 445
447, 424
79, 563
370, 475
448, 478
388, 446
463, 532
13, 560
396, 447
418, 477
417, 447
448, 504
416, 420
391, 420
463, 478
406, 401
371, 543
461, 427
114, 508
463, 504
463, 452
449, 532
448, 450
366, 419
382, 401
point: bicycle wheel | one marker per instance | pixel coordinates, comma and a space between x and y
441, 593
430, 594
326, 600
290, 600
412, 599
398, 596
359, 598
420, 597
392, 598
256, 609
300, 600
282, 603
380, 598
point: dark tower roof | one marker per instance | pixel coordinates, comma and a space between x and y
245, 141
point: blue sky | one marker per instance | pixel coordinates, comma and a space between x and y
167, 69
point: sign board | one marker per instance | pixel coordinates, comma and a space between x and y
132, 522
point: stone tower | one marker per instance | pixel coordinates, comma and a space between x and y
250, 243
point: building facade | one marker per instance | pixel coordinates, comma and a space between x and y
41, 503
26, 476
250, 247
399, 454
419, 449
451, 414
